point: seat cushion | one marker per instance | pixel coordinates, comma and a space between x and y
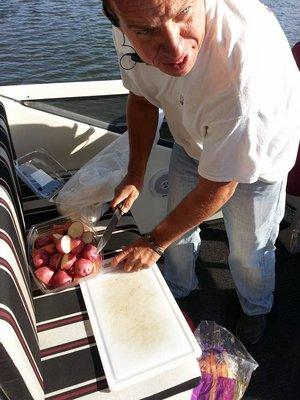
20, 376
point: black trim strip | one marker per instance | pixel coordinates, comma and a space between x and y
37, 105
60, 372
59, 305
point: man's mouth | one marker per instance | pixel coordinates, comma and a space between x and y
178, 62
179, 65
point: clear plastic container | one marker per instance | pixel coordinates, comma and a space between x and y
42, 173
45, 177
58, 246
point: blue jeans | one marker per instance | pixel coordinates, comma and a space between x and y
252, 216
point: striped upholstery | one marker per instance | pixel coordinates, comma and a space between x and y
47, 347
70, 360
64, 330
20, 369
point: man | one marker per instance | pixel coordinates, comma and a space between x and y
223, 73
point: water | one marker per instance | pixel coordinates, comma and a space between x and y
70, 40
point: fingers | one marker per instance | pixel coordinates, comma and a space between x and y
119, 258
125, 197
129, 265
136, 256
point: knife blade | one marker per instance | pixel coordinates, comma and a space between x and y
110, 228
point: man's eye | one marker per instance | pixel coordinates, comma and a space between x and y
186, 10
143, 32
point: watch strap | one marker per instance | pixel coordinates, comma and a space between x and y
159, 250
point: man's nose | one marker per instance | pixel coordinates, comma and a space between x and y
172, 44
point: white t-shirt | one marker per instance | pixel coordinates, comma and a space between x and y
238, 110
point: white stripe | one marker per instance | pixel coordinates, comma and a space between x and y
3, 333
16, 353
32, 321
6, 197
3, 124
54, 294
8, 255
87, 346
60, 318
75, 387
64, 334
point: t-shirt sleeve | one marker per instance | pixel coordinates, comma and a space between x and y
234, 150
119, 41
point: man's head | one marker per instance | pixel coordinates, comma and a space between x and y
165, 33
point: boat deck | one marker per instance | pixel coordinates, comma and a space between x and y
278, 352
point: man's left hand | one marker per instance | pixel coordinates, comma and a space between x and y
138, 255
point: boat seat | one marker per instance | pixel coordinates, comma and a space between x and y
47, 347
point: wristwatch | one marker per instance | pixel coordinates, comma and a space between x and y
154, 246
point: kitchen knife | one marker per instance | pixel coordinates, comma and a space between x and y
110, 227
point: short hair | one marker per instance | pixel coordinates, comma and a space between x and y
110, 14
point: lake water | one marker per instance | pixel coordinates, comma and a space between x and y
70, 40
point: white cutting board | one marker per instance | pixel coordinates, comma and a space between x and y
138, 326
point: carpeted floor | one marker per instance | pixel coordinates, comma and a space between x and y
278, 353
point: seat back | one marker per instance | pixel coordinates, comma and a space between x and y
20, 363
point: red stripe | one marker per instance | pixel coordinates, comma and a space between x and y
67, 346
62, 322
7, 317
83, 390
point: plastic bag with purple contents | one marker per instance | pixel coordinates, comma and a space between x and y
225, 364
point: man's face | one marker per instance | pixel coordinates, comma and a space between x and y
165, 33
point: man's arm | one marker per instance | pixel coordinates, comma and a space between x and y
142, 118
202, 202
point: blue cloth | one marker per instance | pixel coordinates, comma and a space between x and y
251, 216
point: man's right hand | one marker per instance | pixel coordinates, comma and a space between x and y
128, 191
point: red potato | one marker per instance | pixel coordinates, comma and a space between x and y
87, 237
40, 258
44, 274
50, 248
77, 246
55, 260
42, 241
56, 237
83, 267
61, 278
76, 230
67, 225
59, 231
63, 245
90, 252
60, 227
67, 261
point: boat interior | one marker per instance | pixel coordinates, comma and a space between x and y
48, 348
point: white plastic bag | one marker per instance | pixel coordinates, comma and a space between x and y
94, 183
